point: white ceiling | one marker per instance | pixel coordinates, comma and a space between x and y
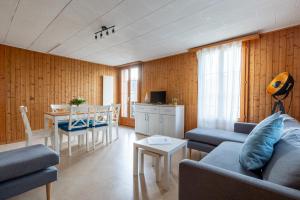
145, 29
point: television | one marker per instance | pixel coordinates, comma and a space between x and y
158, 97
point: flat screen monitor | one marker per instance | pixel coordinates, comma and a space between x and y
158, 97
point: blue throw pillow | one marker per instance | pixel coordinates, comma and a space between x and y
258, 147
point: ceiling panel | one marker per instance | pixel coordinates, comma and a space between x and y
30, 19
72, 20
123, 16
144, 29
7, 10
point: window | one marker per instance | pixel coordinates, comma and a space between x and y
124, 93
129, 93
219, 86
134, 78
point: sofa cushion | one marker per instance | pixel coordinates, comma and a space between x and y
77, 127
214, 136
289, 122
26, 160
258, 147
226, 156
284, 167
200, 146
25, 183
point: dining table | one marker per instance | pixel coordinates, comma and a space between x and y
56, 117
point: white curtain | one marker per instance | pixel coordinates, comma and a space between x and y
219, 86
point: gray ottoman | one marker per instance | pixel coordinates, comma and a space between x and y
27, 168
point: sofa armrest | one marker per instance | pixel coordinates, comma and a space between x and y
198, 180
244, 127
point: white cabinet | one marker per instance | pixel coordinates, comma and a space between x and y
165, 120
154, 123
167, 125
142, 126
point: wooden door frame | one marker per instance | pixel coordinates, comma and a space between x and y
127, 121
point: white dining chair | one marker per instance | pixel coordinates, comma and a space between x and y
115, 109
35, 134
60, 108
100, 123
77, 125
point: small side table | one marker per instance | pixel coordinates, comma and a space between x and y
165, 150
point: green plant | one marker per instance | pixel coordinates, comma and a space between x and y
77, 101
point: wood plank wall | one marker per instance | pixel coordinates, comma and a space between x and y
178, 75
273, 53
38, 80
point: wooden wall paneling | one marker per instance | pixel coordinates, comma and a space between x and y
290, 65
251, 83
273, 53
3, 95
269, 58
178, 75
296, 73
262, 77
256, 82
244, 81
8, 93
13, 95
38, 80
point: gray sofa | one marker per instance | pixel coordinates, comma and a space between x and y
206, 139
27, 168
219, 175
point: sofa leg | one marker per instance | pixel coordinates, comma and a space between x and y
190, 153
48, 191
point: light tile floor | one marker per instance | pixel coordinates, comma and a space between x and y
105, 173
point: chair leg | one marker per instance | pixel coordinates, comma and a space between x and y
190, 153
117, 130
69, 145
52, 141
46, 141
28, 142
97, 137
60, 141
110, 136
79, 140
102, 137
87, 141
48, 191
106, 137
93, 138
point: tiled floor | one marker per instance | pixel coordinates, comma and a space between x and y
105, 173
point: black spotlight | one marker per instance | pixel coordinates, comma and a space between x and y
101, 35
107, 33
113, 30
95, 37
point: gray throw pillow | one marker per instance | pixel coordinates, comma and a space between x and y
284, 166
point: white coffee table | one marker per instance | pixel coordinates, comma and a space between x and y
166, 150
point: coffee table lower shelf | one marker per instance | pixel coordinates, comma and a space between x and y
166, 150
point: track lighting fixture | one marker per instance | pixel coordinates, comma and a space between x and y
104, 29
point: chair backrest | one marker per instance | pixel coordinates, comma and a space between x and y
23, 110
59, 107
101, 114
79, 116
115, 108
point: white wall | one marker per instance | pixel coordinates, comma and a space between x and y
108, 90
